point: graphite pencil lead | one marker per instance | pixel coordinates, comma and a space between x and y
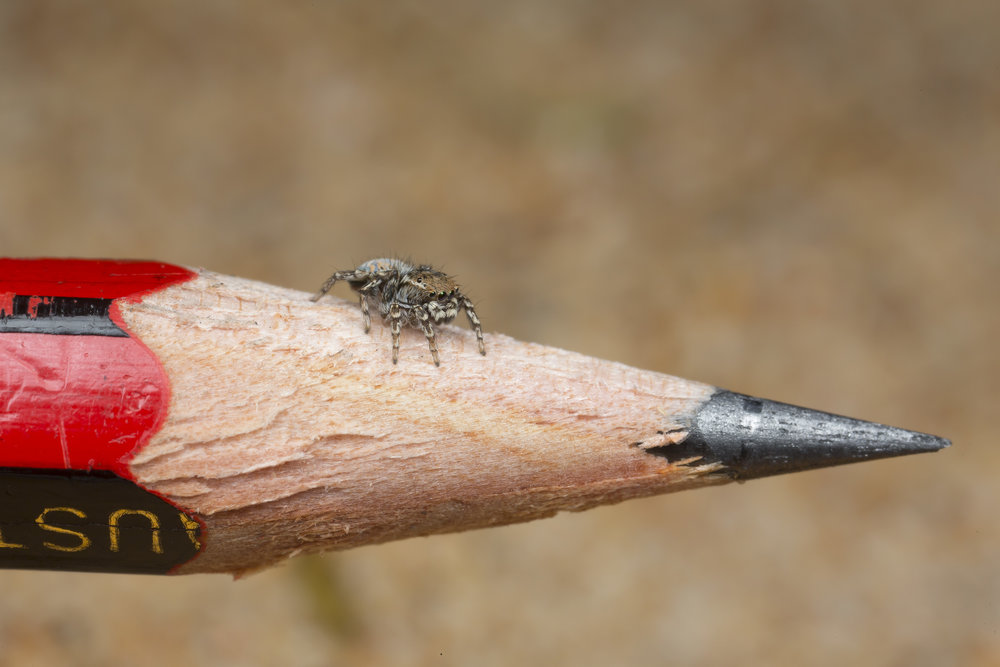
754, 437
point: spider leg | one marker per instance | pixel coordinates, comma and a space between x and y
375, 280
372, 284
470, 312
424, 319
395, 322
332, 280
364, 312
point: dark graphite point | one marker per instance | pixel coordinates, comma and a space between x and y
754, 437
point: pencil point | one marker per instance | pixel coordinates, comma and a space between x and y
754, 437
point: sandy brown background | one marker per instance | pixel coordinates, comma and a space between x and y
794, 200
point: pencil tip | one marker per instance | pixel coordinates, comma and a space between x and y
754, 437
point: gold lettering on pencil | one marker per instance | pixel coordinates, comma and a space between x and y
9, 545
192, 527
84, 540
153, 521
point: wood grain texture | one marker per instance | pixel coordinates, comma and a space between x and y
290, 431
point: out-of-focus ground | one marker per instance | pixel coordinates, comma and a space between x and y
794, 200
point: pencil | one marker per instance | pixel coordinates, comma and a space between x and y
159, 419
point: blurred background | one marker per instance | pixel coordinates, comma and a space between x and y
795, 200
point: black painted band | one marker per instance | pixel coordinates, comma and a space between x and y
90, 521
60, 315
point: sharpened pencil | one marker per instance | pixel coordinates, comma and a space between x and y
286, 429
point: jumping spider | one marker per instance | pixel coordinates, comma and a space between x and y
418, 296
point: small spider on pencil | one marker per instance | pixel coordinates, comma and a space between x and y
418, 296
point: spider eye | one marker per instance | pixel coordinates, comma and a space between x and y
441, 294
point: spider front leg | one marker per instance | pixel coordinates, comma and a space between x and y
424, 320
470, 312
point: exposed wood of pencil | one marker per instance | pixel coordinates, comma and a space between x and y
290, 431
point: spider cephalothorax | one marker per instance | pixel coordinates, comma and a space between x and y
418, 296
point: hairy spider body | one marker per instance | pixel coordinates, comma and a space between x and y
417, 296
